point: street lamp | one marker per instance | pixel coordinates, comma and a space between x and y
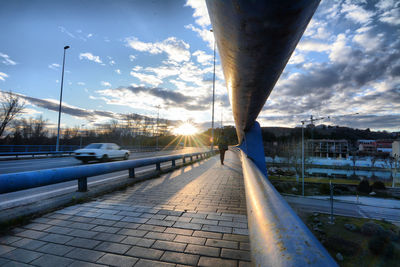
212, 120
80, 143
59, 108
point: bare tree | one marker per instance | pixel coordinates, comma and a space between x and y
11, 107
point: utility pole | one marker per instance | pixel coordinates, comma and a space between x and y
59, 108
213, 100
222, 110
158, 117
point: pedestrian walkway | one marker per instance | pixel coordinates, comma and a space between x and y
195, 215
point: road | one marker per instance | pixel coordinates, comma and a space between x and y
23, 197
23, 165
344, 208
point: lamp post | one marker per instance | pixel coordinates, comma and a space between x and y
59, 108
213, 100
158, 117
302, 157
80, 143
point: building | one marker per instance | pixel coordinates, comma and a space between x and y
327, 148
384, 146
366, 146
396, 149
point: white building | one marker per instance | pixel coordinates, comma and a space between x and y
396, 149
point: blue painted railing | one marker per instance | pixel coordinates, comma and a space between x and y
25, 180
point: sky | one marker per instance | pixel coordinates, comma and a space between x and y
132, 56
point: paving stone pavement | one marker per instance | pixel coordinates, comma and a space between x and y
194, 216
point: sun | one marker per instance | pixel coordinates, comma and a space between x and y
185, 129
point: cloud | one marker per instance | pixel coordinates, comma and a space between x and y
90, 56
370, 42
5, 59
340, 51
204, 34
118, 71
200, 12
145, 97
132, 57
147, 78
357, 13
176, 50
53, 105
106, 84
308, 45
54, 66
80, 83
3, 76
391, 16
164, 71
64, 30
112, 62
203, 58
296, 58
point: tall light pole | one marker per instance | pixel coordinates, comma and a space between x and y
222, 110
59, 108
213, 100
302, 157
158, 117
80, 143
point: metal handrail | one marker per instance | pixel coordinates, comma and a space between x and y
24, 180
278, 236
34, 153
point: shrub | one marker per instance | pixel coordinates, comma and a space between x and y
377, 244
324, 189
378, 185
371, 228
363, 187
341, 245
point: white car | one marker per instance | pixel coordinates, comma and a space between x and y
101, 152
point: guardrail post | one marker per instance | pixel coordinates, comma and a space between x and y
132, 173
158, 166
82, 184
173, 163
183, 160
191, 158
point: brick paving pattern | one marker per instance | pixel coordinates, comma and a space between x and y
194, 216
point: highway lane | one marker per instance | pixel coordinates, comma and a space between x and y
344, 208
23, 165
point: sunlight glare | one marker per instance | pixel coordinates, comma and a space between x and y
186, 129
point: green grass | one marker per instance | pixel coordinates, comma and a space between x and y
353, 245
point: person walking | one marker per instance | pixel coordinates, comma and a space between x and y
222, 146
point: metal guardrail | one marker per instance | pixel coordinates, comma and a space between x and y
52, 148
278, 236
25, 180
33, 154
35, 148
